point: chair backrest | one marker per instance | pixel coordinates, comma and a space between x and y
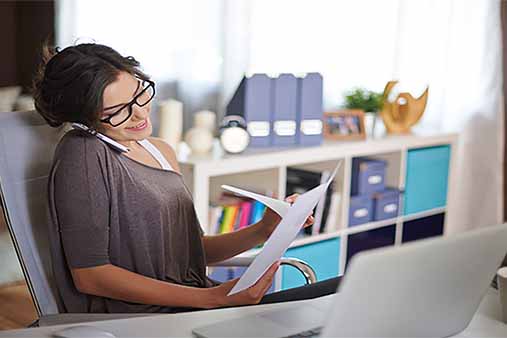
27, 145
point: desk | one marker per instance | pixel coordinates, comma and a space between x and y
486, 322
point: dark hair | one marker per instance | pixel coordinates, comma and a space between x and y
70, 84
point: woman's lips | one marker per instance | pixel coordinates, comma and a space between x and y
140, 126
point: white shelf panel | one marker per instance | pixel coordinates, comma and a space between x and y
312, 239
218, 163
364, 227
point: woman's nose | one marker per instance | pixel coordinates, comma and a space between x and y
140, 113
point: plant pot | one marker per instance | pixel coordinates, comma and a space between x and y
370, 121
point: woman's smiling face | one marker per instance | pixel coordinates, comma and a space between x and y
118, 94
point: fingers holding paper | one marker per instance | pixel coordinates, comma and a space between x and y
271, 219
310, 220
249, 296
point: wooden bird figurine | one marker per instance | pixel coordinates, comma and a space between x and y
399, 116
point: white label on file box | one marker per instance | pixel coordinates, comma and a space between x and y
361, 213
390, 208
375, 179
285, 128
311, 127
258, 128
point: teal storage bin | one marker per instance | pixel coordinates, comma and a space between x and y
426, 179
323, 257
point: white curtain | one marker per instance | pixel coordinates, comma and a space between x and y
178, 42
452, 46
201, 48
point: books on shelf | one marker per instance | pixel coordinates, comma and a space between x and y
299, 181
232, 213
332, 217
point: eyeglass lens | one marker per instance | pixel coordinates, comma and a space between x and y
143, 99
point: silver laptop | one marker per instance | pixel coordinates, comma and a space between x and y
429, 288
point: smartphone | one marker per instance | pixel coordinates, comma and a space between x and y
110, 141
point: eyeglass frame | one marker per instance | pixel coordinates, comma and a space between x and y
131, 103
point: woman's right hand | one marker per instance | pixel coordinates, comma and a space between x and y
249, 296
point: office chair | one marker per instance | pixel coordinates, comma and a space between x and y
27, 145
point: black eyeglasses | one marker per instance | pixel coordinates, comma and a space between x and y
125, 112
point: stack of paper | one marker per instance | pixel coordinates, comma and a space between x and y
293, 218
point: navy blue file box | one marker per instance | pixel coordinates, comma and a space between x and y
252, 100
309, 110
371, 239
360, 210
386, 204
422, 228
284, 102
368, 176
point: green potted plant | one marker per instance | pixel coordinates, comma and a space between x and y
368, 101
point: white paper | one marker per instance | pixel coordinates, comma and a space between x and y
278, 206
293, 219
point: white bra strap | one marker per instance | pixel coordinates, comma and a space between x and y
156, 153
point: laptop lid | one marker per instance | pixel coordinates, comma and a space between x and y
429, 288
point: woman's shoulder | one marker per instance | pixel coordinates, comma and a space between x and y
166, 150
77, 143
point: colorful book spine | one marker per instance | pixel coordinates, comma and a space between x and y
230, 218
246, 208
227, 220
215, 219
237, 216
258, 211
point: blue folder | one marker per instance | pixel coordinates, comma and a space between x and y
252, 100
284, 103
309, 110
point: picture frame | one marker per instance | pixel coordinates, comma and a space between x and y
344, 125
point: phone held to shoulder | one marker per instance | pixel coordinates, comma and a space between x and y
108, 140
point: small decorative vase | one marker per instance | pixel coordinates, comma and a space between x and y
199, 139
370, 120
171, 122
205, 119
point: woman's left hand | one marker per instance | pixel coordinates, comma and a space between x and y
270, 219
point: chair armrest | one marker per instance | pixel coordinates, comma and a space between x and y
299, 264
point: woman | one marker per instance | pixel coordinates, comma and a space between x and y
125, 235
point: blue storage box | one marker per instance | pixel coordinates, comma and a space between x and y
386, 204
426, 179
422, 228
371, 239
360, 210
368, 176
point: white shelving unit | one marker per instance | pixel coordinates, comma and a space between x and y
265, 169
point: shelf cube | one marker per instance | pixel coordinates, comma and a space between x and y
426, 179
